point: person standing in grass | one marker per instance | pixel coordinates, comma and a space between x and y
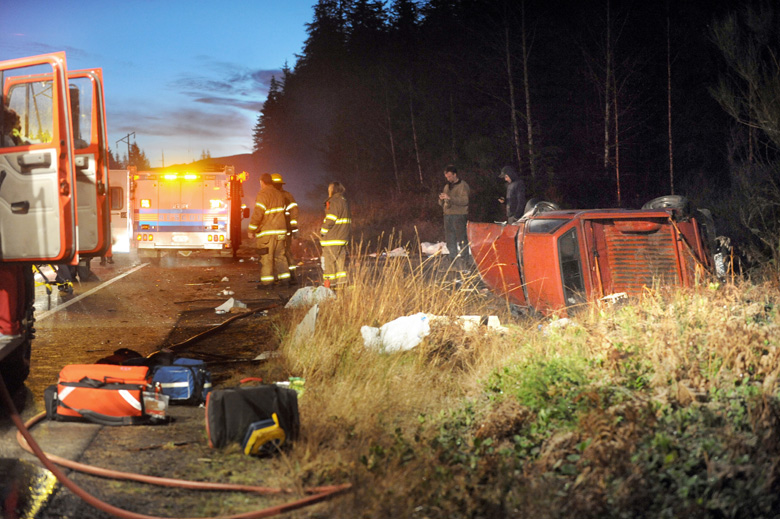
335, 234
454, 200
515, 194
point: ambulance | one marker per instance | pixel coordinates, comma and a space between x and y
186, 211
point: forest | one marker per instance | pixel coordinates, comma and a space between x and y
597, 104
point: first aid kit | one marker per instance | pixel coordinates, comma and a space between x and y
105, 394
186, 381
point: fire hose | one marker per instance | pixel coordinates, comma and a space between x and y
51, 462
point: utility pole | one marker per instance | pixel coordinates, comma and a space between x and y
126, 139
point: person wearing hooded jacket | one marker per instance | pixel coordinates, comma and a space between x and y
515, 194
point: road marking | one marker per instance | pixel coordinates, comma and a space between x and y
88, 292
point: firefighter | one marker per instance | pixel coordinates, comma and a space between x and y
291, 217
334, 236
268, 225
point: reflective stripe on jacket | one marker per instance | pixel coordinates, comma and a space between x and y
290, 211
268, 214
337, 225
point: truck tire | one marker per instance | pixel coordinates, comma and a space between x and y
679, 203
536, 206
15, 367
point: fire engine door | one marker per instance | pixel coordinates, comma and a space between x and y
91, 162
37, 195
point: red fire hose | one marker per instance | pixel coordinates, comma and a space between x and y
29, 444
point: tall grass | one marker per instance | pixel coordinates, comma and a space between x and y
651, 407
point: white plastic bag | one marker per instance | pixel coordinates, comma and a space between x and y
400, 334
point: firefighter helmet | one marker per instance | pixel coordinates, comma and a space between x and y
276, 178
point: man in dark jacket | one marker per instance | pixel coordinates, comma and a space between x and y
515, 194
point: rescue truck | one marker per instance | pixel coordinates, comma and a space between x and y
53, 187
551, 261
185, 211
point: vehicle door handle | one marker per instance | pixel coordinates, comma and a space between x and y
20, 207
29, 161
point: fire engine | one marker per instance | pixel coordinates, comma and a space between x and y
53, 187
185, 211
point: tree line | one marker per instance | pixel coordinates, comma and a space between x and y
596, 103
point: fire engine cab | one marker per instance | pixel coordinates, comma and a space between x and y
53, 187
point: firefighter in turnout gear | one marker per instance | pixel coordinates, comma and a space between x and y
291, 217
269, 226
334, 235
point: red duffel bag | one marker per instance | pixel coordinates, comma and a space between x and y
102, 393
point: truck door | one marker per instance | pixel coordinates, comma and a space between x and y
91, 161
37, 194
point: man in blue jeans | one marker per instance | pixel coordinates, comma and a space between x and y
454, 200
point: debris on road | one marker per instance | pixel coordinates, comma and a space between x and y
229, 305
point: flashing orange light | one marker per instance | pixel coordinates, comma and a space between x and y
215, 204
170, 176
221, 237
190, 176
211, 238
146, 203
139, 237
151, 238
243, 176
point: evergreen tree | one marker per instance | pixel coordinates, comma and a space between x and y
138, 158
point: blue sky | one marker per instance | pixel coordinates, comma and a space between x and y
185, 76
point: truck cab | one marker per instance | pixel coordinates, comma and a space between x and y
554, 261
52, 187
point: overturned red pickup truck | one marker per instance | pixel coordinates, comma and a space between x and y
554, 260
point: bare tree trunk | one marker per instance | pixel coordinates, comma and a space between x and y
414, 132
452, 129
669, 98
530, 129
392, 142
617, 138
512, 104
751, 126
607, 98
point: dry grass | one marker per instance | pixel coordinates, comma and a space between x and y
646, 408
389, 422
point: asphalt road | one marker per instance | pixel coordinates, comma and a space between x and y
127, 304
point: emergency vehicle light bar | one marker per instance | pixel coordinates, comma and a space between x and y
185, 176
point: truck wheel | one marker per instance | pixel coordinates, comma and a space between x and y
536, 206
677, 202
15, 367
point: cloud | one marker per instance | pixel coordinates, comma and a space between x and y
222, 83
182, 123
17, 48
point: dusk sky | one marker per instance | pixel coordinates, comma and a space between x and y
185, 76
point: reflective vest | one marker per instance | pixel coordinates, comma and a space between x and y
337, 225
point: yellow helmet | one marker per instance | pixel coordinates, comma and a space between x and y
276, 178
